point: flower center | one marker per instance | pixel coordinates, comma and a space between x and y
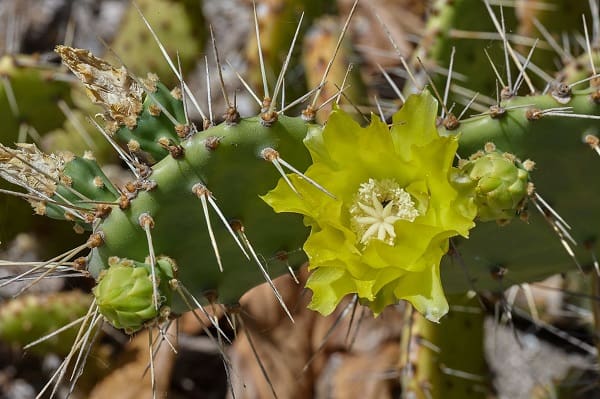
377, 205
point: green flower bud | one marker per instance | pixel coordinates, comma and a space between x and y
498, 181
125, 292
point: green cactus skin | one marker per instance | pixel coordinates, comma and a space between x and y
178, 23
153, 126
141, 114
435, 351
36, 91
435, 49
29, 317
557, 146
86, 178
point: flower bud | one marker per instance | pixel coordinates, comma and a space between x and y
125, 292
498, 182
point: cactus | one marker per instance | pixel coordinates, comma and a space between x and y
29, 94
179, 23
28, 318
211, 213
430, 354
532, 127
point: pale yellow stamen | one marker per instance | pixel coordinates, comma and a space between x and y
377, 206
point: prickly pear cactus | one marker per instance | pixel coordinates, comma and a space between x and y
383, 212
540, 129
374, 209
29, 96
194, 187
180, 26
30, 317
394, 218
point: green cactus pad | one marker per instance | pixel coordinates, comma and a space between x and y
526, 252
226, 160
178, 23
153, 125
141, 114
